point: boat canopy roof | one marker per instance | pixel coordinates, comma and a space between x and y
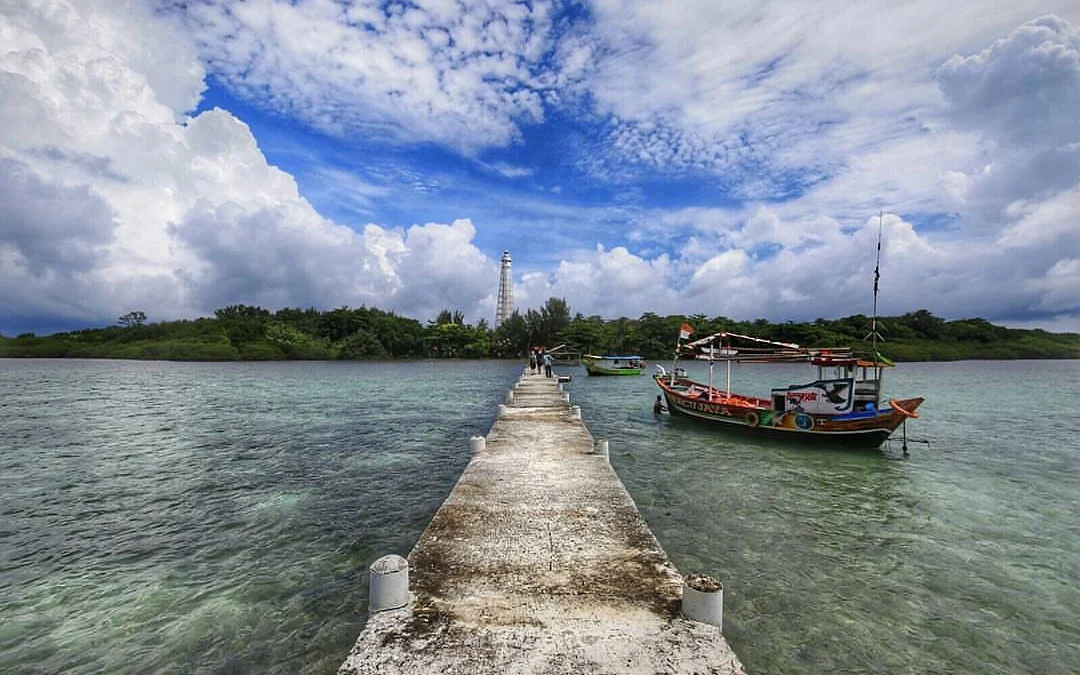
614, 358
830, 360
750, 349
721, 335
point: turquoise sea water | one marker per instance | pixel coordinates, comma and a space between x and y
219, 518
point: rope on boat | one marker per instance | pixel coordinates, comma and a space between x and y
912, 414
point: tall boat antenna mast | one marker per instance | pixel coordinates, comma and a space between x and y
874, 335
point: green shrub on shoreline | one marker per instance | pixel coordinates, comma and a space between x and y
241, 332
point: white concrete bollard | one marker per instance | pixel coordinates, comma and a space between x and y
575, 412
566, 396
510, 396
388, 584
601, 448
477, 444
502, 410
703, 600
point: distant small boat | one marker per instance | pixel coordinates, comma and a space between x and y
613, 365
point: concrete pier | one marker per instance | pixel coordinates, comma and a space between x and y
539, 562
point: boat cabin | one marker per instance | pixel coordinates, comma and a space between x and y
844, 385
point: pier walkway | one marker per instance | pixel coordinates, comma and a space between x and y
539, 562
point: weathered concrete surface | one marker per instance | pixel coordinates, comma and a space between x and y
538, 562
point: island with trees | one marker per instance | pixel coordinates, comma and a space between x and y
242, 332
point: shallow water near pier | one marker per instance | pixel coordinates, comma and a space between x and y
219, 518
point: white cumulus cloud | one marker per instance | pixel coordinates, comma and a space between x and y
462, 74
114, 199
956, 119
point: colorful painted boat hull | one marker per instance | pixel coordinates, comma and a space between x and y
753, 415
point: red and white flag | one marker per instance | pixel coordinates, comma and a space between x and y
685, 330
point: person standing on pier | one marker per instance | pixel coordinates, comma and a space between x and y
547, 364
532, 360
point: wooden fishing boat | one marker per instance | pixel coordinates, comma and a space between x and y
843, 405
613, 365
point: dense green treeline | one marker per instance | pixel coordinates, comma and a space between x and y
242, 332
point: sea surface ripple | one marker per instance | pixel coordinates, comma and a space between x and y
219, 518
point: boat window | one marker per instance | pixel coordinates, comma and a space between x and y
778, 402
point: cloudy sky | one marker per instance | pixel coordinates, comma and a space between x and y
702, 156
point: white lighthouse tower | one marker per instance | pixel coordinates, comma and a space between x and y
505, 305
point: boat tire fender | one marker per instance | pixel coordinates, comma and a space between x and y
751, 419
